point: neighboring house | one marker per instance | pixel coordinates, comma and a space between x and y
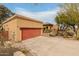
47, 27
21, 28
55, 27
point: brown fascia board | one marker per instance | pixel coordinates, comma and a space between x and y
9, 19
26, 18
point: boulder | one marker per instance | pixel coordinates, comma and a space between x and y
18, 53
53, 33
68, 33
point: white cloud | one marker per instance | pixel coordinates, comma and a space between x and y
45, 16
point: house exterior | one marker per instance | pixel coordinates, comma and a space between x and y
55, 27
47, 27
21, 28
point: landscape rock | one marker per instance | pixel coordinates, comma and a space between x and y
8, 44
19, 53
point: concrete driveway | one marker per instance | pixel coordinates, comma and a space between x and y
52, 46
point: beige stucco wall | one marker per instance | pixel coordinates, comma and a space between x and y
13, 27
28, 23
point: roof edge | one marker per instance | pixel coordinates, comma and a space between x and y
16, 15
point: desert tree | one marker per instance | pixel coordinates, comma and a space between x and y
68, 15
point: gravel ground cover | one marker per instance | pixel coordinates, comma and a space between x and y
51, 46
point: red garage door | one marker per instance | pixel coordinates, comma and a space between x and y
30, 32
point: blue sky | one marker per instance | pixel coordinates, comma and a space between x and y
45, 12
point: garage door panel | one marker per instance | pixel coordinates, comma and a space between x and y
30, 33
